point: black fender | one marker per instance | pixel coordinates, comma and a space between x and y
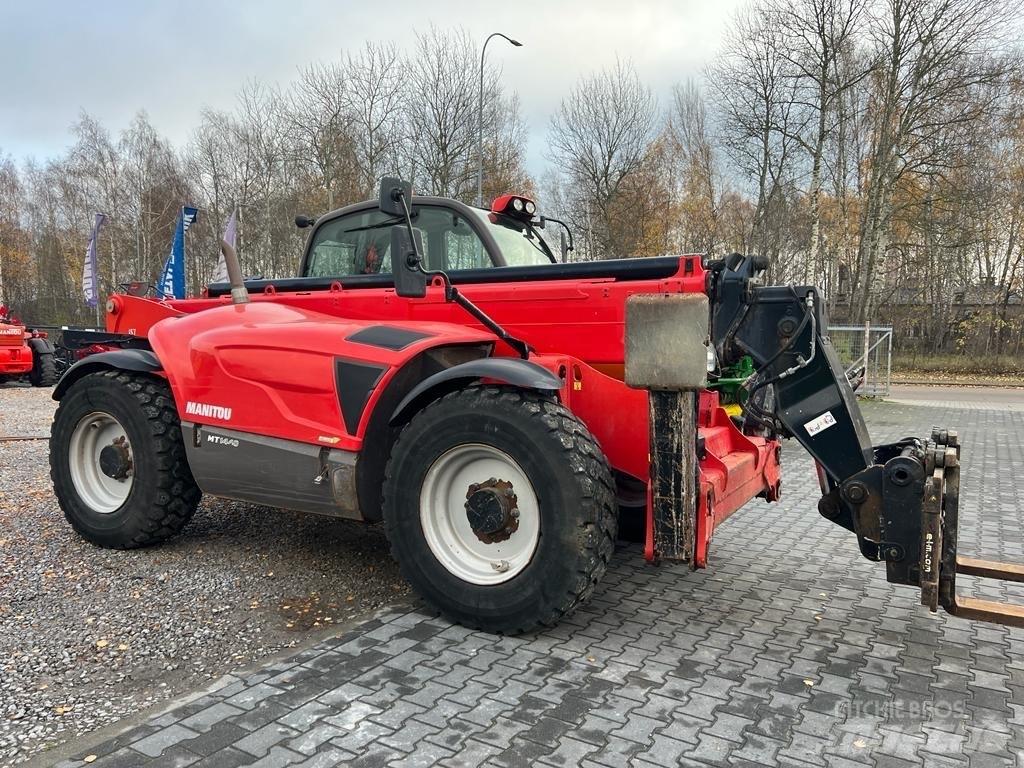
41, 346
142, 360
508, 370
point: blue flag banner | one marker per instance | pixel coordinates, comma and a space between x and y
90, 271
172, 280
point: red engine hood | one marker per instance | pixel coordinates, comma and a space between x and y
11, 335
279, 370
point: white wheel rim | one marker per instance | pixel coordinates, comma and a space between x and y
101, 492
446, 526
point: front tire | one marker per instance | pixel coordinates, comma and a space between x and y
118, 462
44, 369
500, 508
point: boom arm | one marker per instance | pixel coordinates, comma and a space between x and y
900, 499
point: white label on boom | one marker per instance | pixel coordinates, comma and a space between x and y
820, 424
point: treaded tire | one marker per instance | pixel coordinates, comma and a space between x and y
44, 369
576, 502
163, 496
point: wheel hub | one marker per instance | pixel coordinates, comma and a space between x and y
115, 460
494, 538
101, 463
492, 511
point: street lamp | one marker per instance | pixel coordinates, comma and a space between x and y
480, 120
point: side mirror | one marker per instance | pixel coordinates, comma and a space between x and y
392, 189
563, 245
410, 280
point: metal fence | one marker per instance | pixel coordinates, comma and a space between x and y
857, 343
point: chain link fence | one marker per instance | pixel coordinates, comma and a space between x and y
857, 343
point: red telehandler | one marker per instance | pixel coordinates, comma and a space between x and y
436, 368
25, 352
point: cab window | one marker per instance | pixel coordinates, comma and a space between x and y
357, 244
360, 243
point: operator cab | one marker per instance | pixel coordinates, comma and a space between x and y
356, 240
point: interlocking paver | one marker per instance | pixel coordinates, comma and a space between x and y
154, 744
790, 650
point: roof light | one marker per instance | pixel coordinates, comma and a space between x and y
514, 205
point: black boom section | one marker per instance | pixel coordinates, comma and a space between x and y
785, 335
355, 381
655, 268
800, 385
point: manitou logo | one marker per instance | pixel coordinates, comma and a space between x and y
11, 332
208, 411
219, 440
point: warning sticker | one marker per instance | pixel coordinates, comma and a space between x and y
820, 424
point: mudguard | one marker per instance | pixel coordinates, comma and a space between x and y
121, 359
507, 370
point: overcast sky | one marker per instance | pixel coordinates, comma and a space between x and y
173, 58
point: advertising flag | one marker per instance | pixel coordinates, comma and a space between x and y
220, 275
172, 279
90, 271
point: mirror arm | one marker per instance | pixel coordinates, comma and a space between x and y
412, 236
451, 293
563, 225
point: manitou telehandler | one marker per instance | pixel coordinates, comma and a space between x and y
435, 368
25, 353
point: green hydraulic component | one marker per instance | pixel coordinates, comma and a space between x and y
730, 382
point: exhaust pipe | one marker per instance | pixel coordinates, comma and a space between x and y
239, 294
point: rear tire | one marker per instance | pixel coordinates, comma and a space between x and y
118, 462
506, 441
44, 369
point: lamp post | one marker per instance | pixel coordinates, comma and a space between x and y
480, 119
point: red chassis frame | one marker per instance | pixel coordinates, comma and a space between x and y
272, 363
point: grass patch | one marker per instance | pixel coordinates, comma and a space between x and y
959, 365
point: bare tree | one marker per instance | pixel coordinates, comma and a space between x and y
698, 185
153, 190
599, 139
322, 128
932, 57
12, 251
442, 105
816, 34
373, 101
758, 123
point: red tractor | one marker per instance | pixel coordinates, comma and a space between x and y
25, 352
434, 367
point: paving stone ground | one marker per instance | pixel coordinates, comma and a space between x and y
789, 650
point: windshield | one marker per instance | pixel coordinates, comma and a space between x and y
519, 243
